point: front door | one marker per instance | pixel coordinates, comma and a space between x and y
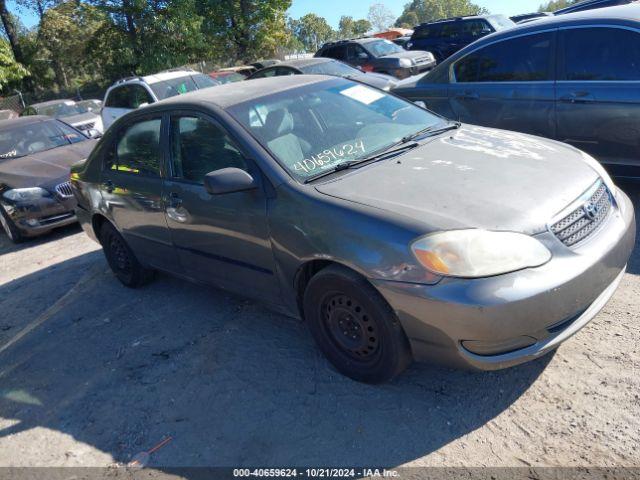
598, 102
508, 84
220, 239
131, 188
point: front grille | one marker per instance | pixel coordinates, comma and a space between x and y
85, 126
64, 190
585, 219
422, 60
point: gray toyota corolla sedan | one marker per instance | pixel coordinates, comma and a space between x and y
394, 233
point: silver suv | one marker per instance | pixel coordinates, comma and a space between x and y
134, 92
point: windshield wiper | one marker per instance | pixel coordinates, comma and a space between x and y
431, 131
386, 152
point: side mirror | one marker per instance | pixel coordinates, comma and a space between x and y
421, 104
228, 180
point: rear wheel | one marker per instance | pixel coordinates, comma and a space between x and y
10, 228
355, 327
121, 258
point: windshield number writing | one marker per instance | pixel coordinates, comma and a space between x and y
329, 156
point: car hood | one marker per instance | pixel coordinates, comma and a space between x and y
43, 169
473, 178
80, 118
410, 54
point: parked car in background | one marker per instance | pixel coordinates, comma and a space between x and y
35, 155
402, 41
396, 234
233, 74
88, 122
134, 92
326, 66
260, 64
8, 114
590, 5
378, 55
445, 37
573, 78
91, 105
525, 17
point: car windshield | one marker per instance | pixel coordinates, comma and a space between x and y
36, 137
334, 68
62, 109
380, 48
180, 85
313, 128
90, 105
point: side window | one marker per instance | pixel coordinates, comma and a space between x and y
354, 50
476, 28
138, 150
138, 95
117, 97
271, 72
199, 147
284, 71
451, 31
603, 54
523, 59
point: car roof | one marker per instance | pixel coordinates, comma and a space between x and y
169, 75
630, 11
582, 4
23, 121
457, 19
51, 102
230, 94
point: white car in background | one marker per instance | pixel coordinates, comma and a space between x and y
135, 92
73, 113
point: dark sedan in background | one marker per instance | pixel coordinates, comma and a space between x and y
379, 55
35, 156
572, 77
326, 66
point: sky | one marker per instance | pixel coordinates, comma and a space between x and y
332, 10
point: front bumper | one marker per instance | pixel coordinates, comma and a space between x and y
406, 72
42, 215
519, 316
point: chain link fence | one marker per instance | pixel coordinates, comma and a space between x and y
12, 102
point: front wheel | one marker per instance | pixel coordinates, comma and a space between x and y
10, 228
355, 327
121, 258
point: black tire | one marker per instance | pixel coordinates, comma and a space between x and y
355, 327
10, 228
121, 259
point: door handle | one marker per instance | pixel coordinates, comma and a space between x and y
577, 97
174, 209
108, 186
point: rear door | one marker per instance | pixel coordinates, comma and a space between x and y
131, 188
598, 95
220, 239
508, 84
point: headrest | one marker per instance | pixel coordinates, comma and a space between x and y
278, 123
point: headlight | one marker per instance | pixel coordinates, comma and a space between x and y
25, 194
606, 178
405, 62
478, 253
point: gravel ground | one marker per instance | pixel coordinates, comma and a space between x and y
92, 373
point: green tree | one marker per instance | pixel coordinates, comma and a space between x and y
420, 11
554, 5
11, 72
350, 28
312, 31
380, 17
243, 29
11, 31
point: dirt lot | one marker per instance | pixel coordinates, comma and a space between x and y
92, 373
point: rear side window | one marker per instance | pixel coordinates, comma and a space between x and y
138, 150
476, 28
117, 98
522, 59
269, 72
339, 52
601, 54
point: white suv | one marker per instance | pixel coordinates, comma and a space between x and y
134, 92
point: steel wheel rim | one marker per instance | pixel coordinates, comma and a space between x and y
119, 255
349, 327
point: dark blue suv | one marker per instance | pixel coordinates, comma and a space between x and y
445, 37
